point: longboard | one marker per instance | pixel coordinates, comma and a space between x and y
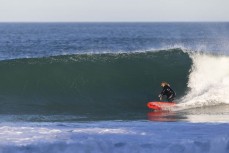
155, 105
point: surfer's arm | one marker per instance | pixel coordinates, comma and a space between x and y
160, 96
163, 91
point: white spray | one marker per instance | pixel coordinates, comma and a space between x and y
208, 81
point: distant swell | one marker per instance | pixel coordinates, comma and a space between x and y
90, 83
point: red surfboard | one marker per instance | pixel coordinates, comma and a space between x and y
155, 105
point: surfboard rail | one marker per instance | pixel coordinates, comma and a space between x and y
155, 105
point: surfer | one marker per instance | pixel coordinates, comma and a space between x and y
168, 91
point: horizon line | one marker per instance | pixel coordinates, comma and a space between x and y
114, 21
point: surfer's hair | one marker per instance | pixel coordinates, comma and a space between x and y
166, 83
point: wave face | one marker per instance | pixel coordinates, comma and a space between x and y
107, 84
90, 83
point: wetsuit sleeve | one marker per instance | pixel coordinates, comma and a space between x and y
163, 90
172, 91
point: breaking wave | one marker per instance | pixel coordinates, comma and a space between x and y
111, 83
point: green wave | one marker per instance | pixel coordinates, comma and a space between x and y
90, 83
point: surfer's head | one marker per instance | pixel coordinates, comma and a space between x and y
163, 83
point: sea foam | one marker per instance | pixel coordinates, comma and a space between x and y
208, 81
112, 137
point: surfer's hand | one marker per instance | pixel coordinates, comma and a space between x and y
160, 96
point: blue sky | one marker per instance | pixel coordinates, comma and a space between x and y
113, 10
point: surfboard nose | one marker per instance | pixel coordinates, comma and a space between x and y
151, 105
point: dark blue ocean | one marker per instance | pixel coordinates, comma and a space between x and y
19, 40
84, 87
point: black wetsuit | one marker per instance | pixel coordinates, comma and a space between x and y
169, 93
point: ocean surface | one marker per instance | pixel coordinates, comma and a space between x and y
83, 87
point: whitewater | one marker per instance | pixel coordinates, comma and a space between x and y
83, 87
115, 136
208, 81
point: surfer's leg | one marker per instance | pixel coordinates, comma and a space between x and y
171, 98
